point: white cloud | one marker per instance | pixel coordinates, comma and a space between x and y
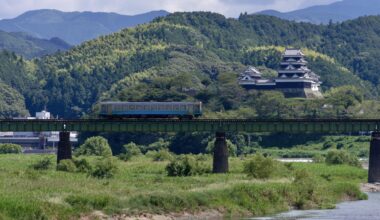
231, 8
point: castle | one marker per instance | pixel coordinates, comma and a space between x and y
294, 78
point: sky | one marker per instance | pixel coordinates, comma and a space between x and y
230, 8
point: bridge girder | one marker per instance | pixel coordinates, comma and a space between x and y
199, 125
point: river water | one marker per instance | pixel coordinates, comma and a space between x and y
358, 210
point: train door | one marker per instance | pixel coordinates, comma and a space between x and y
190, 109
109, 109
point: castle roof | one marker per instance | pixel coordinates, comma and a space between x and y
252, 72
293, 52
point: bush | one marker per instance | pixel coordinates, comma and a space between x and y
96, 146
260, 167
128, 151
318, 158
185, 166
43, 164
160, 155
304, 183
10, 149
82, 165
124, 157
161, 144
339, 146
131, 149
341, 157
328, 145
67, 166
104, 168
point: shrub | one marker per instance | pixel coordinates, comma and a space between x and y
339, 146
82, 165
43, 164
104, 168
131, 149
67, 166
305, 186
328, 145
89, 201
341, 157
96, 146
124, 157
318, 158
161, 144
160, 155
10, 149
128, 151
185, 166
260, 167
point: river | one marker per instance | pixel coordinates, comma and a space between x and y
358, 210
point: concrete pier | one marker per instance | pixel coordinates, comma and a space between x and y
374, 159
220, 162
64, 147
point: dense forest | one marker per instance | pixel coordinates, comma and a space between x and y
207, 51
30, 47
198, 56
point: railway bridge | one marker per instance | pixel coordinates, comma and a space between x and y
218, 126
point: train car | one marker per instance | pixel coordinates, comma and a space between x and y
150, 109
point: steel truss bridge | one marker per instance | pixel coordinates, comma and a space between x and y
197, 125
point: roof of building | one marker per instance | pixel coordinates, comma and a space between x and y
293, 52
252, 71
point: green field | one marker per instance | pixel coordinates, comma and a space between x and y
142, 186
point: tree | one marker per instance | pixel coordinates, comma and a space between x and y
96, 146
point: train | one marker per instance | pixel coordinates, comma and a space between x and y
188, 110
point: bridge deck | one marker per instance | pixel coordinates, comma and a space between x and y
198, 125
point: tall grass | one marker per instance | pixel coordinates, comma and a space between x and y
142, 185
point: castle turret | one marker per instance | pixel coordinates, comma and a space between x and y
295, 79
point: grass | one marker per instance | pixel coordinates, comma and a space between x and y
142, 186
355, 145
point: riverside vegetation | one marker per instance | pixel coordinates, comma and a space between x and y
33, 188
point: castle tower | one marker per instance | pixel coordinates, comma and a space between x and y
295, 79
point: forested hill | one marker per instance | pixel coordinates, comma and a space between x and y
74, 27
198, 56
28, 46
336, 12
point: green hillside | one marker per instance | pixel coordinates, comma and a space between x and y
29, 46
198, 56
14, 83
188, 56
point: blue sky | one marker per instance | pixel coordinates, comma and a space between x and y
230, 8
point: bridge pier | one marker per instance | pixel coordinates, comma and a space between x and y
64, 146
220, 162
374, 159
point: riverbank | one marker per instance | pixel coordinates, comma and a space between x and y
141, 189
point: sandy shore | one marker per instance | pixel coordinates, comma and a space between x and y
370, 187
204, 215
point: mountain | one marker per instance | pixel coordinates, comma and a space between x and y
198, 56
73, 27
336, 12
29, 46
